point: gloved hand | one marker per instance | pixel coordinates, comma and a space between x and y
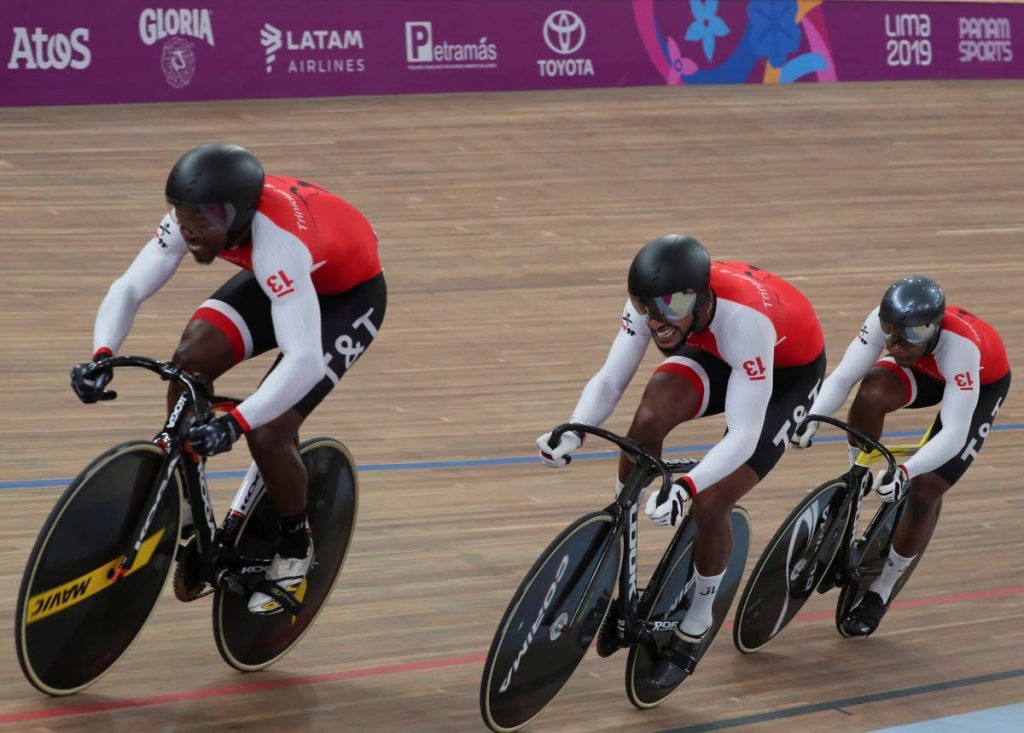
559, 455
896, 487
89, 384
804, 432
216, 436
670, 512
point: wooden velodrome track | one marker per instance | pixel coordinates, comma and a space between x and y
507, 223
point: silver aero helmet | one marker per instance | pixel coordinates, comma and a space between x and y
222, 182
670, 278
912, 310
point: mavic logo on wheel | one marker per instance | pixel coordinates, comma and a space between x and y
548, 597
74, 591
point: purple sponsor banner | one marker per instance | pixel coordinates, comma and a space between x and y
70, 52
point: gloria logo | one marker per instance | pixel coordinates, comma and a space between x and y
564, 33
307, 47
178, 56
40, 50
421, 52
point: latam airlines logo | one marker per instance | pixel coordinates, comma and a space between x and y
421, 51
178, 55
565, 33
311, 45
40, 50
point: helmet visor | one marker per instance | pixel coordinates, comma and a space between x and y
913, 335
671, 308
203, 219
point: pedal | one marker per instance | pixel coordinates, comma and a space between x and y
187, 585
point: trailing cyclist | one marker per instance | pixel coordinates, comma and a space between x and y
311, 285
737, 339
937, 354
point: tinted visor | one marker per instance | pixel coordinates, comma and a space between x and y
913, 335
671, 308
203, 218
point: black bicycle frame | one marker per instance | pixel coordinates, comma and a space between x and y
845, 569
624, 511
217, 556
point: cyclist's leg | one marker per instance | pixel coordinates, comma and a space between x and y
349, 323
792, 394
920, 514
886, 388
685, 386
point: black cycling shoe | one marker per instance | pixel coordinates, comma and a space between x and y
676, 661
864, 618
608, 639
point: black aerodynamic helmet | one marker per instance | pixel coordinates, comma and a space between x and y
912, 308
222, 181
670, 277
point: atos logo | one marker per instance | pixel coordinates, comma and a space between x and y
49, 51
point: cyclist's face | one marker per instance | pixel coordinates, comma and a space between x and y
669, 336
904, 353
204, 236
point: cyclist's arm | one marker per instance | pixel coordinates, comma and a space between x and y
860, 355
960, 362
604, 390
282, 264
750, 351
153, 267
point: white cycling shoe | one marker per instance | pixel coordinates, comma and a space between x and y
289, 573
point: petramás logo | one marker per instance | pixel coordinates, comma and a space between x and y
421, 51
564, 33
314, 51
178, 55
985, 40
39, 50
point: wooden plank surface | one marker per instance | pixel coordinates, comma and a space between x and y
507, 224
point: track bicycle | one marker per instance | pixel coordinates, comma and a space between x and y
115, 534
819, 547
563, 601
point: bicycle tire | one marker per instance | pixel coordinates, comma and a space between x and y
767, 604
249, 642
508, 701
663, 601
878, 540
73, 622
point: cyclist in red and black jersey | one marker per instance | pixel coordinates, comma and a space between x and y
937, 353
311, 285
738, 340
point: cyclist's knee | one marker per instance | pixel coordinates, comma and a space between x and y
650, 425
711, 508
203, 350
270, 440
926, 491
881, 391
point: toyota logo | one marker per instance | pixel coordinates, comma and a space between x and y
564, 32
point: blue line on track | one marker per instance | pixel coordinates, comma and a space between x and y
479, 462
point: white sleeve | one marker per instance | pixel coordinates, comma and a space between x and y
604, 390
960, 362
860, 355
153, 267
750, 351
282, 264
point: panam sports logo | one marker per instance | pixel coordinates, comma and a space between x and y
422, 52
177, 25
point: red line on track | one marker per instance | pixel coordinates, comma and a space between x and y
67, 711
